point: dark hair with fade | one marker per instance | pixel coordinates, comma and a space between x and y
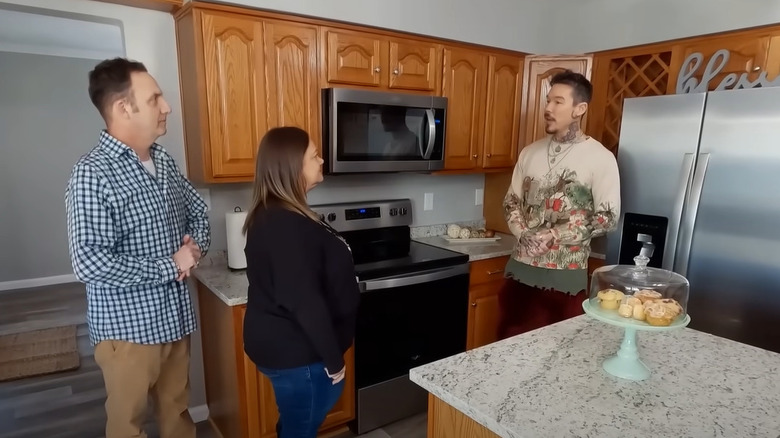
582, 89
110, 80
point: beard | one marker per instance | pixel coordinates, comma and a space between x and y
549, 127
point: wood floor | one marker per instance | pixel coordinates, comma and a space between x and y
71, 404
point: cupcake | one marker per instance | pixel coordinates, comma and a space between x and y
610, 298
662, 312
646, 295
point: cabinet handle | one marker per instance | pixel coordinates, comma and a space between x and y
474, 304
377, 69
395, 71
475, 155
494, 272
489, 155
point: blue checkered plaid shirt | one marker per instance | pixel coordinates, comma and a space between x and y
124, 226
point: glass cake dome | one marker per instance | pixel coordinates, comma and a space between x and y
639, 294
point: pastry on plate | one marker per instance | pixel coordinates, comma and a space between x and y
646, 295
610, 298
662, 312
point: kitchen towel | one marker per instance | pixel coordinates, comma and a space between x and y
236, 239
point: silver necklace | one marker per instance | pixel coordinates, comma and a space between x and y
554, 153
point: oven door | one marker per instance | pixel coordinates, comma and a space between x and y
405, 321
373, 131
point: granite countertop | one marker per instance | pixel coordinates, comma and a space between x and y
550, 383
228, 285
475, 251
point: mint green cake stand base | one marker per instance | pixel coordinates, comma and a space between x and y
626, 364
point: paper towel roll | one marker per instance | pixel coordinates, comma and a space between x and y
236, 239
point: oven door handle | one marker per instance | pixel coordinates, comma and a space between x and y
416, 278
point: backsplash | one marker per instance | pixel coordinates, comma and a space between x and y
453, 198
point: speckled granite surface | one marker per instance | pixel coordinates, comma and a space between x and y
549, 383
228, 285
475, 251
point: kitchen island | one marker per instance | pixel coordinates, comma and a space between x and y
549, 383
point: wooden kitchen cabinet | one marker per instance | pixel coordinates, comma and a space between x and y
483, 92
369, 60
749, 53
502, 118
538, 72
486, 281
465, 87
240, 76
292, 75
244, 71
241, 399
621, 74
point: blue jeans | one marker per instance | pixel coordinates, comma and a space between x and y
304, 395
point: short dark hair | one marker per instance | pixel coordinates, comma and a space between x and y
110, 80
582, 89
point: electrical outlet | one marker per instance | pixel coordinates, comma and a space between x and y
206, 195
479, 196
428, 205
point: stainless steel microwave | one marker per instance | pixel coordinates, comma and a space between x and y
368, 131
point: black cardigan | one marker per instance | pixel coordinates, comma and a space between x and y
303, 294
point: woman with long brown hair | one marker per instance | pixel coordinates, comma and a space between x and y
303, 294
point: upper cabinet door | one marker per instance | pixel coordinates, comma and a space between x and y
746, 55
354, 58
465, 85
502, 130
414, 65
234, 73
539, 71
292, 76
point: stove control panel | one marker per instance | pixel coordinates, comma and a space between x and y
366, 215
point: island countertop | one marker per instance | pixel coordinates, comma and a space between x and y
550, 383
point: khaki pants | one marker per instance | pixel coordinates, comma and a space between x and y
132, 372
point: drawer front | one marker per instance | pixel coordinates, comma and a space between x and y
484, 271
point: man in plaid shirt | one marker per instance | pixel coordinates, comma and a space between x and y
136, 229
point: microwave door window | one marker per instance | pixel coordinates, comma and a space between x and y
395, 132
368, 132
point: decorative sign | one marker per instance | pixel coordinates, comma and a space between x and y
686, 83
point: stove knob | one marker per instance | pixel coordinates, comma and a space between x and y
331, 217
403, 212
322, 217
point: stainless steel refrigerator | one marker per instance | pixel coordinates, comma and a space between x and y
700, 175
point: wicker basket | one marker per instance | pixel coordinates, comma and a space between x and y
38, 352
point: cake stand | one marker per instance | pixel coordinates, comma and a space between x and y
626, 364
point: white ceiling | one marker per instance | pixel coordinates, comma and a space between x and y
39, 31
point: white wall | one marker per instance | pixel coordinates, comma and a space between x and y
509, 24
149, 38
581, 26
47, 123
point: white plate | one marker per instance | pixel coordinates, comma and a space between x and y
475, 240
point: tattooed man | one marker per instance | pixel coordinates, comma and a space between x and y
565, 191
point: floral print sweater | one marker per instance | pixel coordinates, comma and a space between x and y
572, 190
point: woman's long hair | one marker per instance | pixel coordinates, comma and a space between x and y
279, 175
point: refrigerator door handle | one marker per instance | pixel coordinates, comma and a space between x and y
683, 188
689, 218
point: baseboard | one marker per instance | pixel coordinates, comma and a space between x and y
37, 282
199, 413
